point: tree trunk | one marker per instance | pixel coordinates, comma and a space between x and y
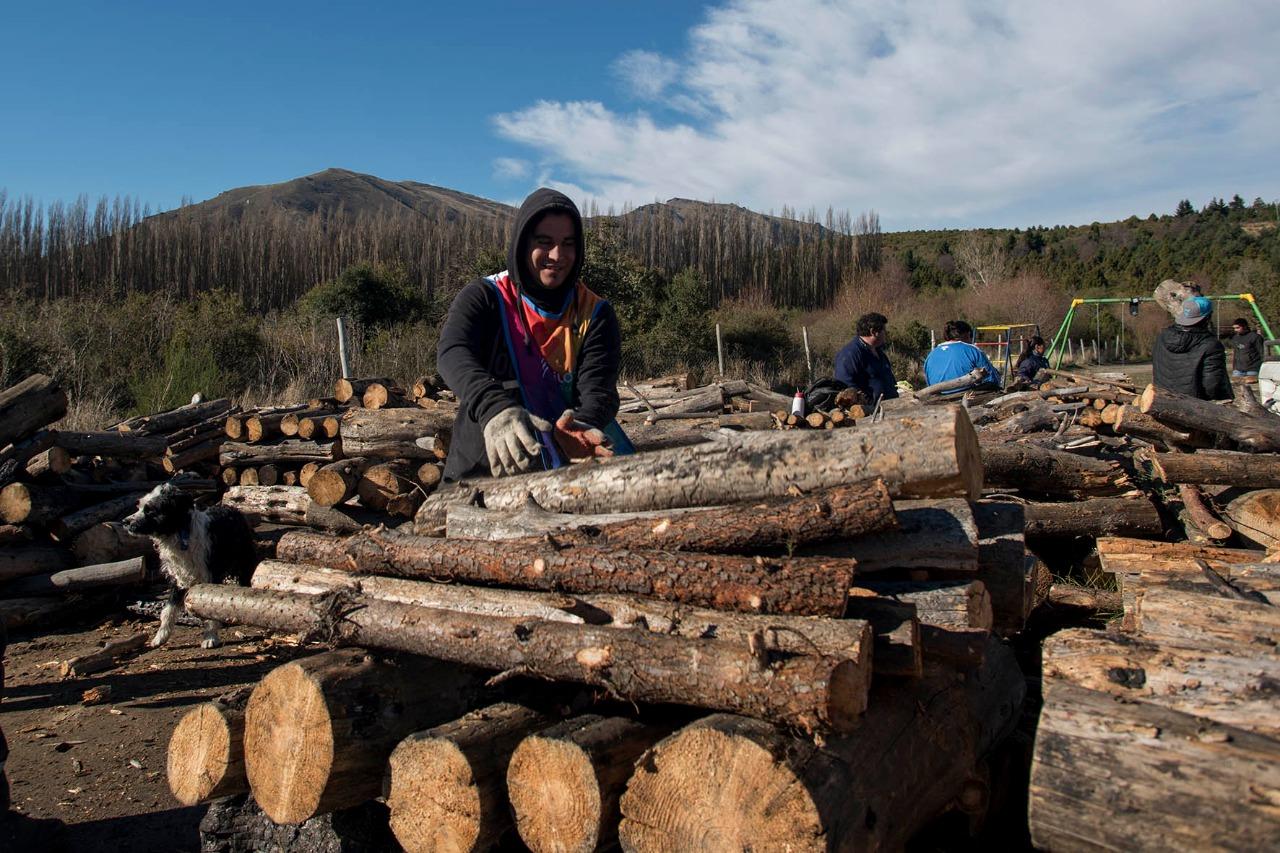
344, 390
179, 418
447, 786
564, 782
1133, 776
1258, 433
810, 692
261, 427
701, 788
336, 482
929, 454
123, 573
396, 433
74, 523
958, 605
380, 484
249, 476
21, 561
1050, 472
935, 534
32, 404
118, 445
798, 585
289, 452
1256, 516
839, 512
1220, 685
109, 543
1216, 467
1201, 516
318, 731
1095, 517
192, 437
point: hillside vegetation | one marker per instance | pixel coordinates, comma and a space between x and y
236, 295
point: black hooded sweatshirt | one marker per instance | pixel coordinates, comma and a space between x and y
472, 355
1191, 361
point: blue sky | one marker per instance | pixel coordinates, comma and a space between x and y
950, 114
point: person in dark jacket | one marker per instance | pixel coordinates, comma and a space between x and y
1032, 360
532, 354
1246, 349
1188, 358
862, 363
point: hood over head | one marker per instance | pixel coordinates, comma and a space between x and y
540, 202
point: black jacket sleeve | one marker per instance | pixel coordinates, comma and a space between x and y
470, 333
1257, 352
1217, 385
597, 380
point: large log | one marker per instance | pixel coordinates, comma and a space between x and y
119, 445
39, 504
728, 783
290, 423
931, 534
206, 753
1222, 684
447, 788
1113, 775
929, 454
290, 452
1256, 516
380, 396
397, 433
1194, 620
1050, 472
207, 450
799, 585
336, 482
564, 782
807, 691
20, 561
123, 573
1095, 517
110, 542
318, 731
33, 403
1216, 467
842, 511
319, 427
1259, 433
263, 424
1131, 421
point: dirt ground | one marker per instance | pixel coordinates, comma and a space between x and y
101, 768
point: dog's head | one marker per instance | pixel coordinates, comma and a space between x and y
163, 511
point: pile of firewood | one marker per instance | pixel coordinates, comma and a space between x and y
537, 654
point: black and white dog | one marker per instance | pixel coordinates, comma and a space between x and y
196, 546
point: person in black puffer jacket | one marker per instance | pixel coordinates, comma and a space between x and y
1189, 359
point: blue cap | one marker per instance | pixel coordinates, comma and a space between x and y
1194, 310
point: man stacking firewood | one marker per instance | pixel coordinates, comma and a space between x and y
1188, 358
533, 355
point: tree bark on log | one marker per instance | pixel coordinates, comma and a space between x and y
289, 452
32, 404
110, 543
1095, 517
118, 445
839, 512
1051, 472
206, 451
104, 658
1256, 516
291, 505
1221, 685
397, 433
928, 393
122, 573
934, 534
380, 484
958, 605
21, 561
701, 788
1257, 433
1135, 776
345, 390
336, 482
1131, 421
1201, 516
811, 692
39, 505
1198, 621
14, 459
925, 455
290, 423
564, 782
206, 752
447, 788
74, 523
796, 585
1216, 467
179, 418
318, 731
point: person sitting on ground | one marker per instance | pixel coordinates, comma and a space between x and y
1188, 358
532, 354
862, 364
1246, 351
956, 356
1032, 360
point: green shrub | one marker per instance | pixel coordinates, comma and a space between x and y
372, 296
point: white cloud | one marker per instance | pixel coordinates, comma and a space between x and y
510, 169
991, 113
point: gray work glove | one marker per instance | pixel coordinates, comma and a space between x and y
510, 442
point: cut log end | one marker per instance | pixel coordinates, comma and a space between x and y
206, 755
437, 805
555, 796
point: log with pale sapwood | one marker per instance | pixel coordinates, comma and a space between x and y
564, 782
1257, 433
1136, 516
1201, 516
446, 786
1193, 619
811, 692
320, 427
798, 585
933, 453
205, 451
1256, 516
65, 581
380, 396
382, 483
318, 731
700, 788
397, 433
1215, 467
1117, 775
352, 390
336, 482
290, 452
292, 506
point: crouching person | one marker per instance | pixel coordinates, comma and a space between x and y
532, 355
